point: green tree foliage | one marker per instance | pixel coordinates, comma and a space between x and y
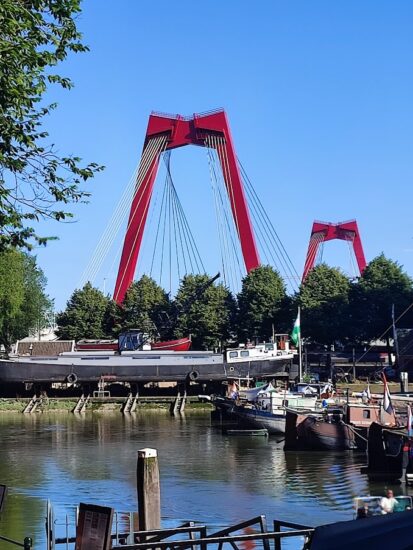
260, 303
35, 180
23, 300
324, 298
84, 315
144, 307
382, 284
205, 314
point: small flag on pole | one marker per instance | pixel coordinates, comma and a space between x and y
409, 421
296, 332
387, 404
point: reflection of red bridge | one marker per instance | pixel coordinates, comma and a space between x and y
211, 130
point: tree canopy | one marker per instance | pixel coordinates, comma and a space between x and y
259, 303
85, 315
144, 307
205, 313
324, 297
35, 180
382, 285
24, 303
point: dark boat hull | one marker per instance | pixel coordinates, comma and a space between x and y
139, 367
307, 432
250, 417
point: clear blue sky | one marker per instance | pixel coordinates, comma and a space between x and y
320, 101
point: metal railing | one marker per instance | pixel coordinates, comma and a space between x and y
27, 544
241, 536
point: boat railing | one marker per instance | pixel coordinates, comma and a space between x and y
27, 544
190, 535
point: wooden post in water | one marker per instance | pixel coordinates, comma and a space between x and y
148, 487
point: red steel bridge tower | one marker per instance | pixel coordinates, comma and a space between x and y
324, 231
166, 132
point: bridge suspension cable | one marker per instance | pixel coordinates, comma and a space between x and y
153, 147
268, 238
173, 244
231, 268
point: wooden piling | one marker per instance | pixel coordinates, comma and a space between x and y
148, 489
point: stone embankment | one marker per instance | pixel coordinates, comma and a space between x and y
101, 405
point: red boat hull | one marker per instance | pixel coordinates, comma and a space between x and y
182, 344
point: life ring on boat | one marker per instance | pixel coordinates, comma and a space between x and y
193, 375
71, 378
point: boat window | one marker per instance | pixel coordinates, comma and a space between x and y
245, 353
366, 413
269, 347
233, 354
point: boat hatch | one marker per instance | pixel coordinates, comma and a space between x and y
95, 358
146, 357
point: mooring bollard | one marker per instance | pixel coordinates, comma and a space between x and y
404, 382
28, 543
148, 488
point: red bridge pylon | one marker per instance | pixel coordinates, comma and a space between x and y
169, 132
324, 231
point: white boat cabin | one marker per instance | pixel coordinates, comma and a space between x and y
279, 349
267, 398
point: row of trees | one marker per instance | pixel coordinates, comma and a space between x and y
334, 308
209, 312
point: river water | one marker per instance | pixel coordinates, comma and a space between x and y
205, 476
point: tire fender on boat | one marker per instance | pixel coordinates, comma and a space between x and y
72, 378
193, 375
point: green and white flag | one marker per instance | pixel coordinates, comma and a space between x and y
296, 332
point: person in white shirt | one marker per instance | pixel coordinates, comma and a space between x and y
387, 503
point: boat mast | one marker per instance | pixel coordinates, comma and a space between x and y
395, 339
300, 353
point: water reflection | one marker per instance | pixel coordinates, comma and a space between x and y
205, 476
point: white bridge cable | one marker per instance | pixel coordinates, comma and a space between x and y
189, 238
225, 212
152, 165
353, 268
275, 240
118, 216
229, 237
316, 243
230, 211
105, 240
120, 212
181, 227
232, 242
266, 240
140, 270
221, 237
157, 232
315, 240
173, 235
